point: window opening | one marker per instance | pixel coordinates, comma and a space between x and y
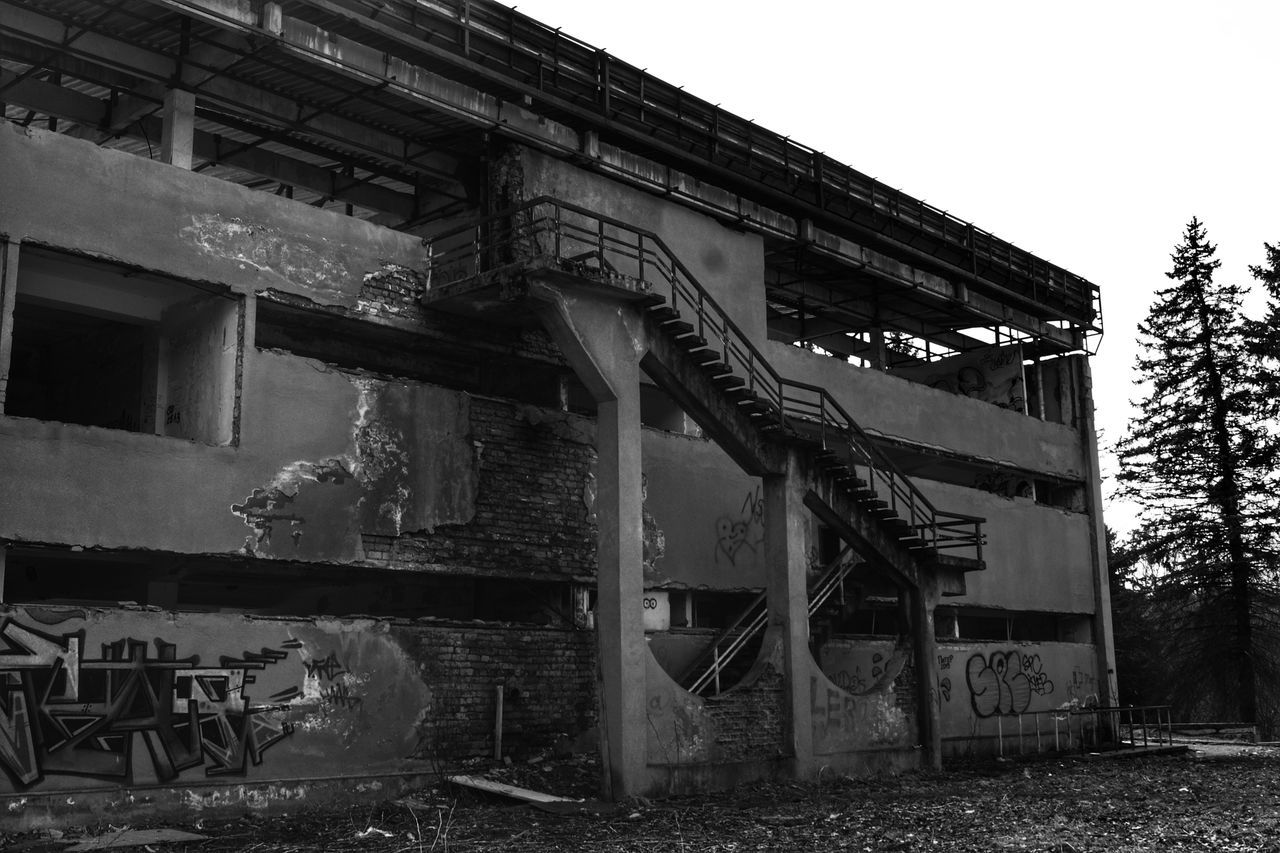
100, 345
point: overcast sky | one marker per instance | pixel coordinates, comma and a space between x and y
1088, 133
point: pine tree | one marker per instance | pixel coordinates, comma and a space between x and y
1193, 463
1264, 335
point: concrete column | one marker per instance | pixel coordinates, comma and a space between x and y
923, 600
787, 584
8, 295
1103, 641
602, 339
177, 133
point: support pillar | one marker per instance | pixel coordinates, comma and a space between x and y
924, 598
8, 296
787, 584
177, 133
602, 339
1103, 641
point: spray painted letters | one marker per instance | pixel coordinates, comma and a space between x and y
62, 712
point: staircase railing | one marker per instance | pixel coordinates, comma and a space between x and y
560, 236
751, 622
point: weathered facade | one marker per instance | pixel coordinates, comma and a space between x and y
384, 384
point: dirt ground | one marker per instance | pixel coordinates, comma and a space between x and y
1219, 798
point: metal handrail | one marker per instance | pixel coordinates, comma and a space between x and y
752, 620
1145, 722
571, 238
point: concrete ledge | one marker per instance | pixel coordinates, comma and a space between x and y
79, 807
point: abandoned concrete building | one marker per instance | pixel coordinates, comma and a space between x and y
390, 383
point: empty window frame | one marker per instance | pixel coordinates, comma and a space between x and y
102, 345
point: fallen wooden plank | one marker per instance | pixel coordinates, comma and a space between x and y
512, 791
133, 838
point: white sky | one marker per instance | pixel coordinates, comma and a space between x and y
1088, 133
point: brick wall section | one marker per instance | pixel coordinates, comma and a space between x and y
749, 719
548, 678
531, 519
393, 291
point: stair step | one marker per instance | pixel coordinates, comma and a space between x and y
729, 381
676, 328
652, 299
705, 357
662, 313
895, 521
716, 368
692, 341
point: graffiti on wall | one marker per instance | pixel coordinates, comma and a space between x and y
745, 531
63, 712
942, 683
1004, 682
992, 374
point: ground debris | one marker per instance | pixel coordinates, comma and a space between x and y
1231, 803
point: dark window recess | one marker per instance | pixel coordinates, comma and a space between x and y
1022, 626
55, 576
973, 626
101, 345
1068, 496
358, 345
78, 368
719, 609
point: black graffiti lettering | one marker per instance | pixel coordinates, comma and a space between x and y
327, 668
64, 713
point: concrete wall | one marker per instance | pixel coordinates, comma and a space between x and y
711, 514
199, 345
71, 194
728, 264
324, 455
982, 688
896, 408
103, 700
1037, 557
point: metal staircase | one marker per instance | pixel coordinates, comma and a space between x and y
707, 672
485, 266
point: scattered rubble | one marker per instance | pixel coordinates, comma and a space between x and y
1219, 800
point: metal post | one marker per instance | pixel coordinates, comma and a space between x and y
1000, 734
497, 723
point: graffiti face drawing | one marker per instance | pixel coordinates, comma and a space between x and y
745, 531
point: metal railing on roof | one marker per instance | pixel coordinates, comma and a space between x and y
499, 43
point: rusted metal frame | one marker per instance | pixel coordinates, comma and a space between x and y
557, 37
215, 72
67, 40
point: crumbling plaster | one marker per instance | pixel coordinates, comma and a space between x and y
70, 194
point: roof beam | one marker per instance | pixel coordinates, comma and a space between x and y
437, 170
92, 113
